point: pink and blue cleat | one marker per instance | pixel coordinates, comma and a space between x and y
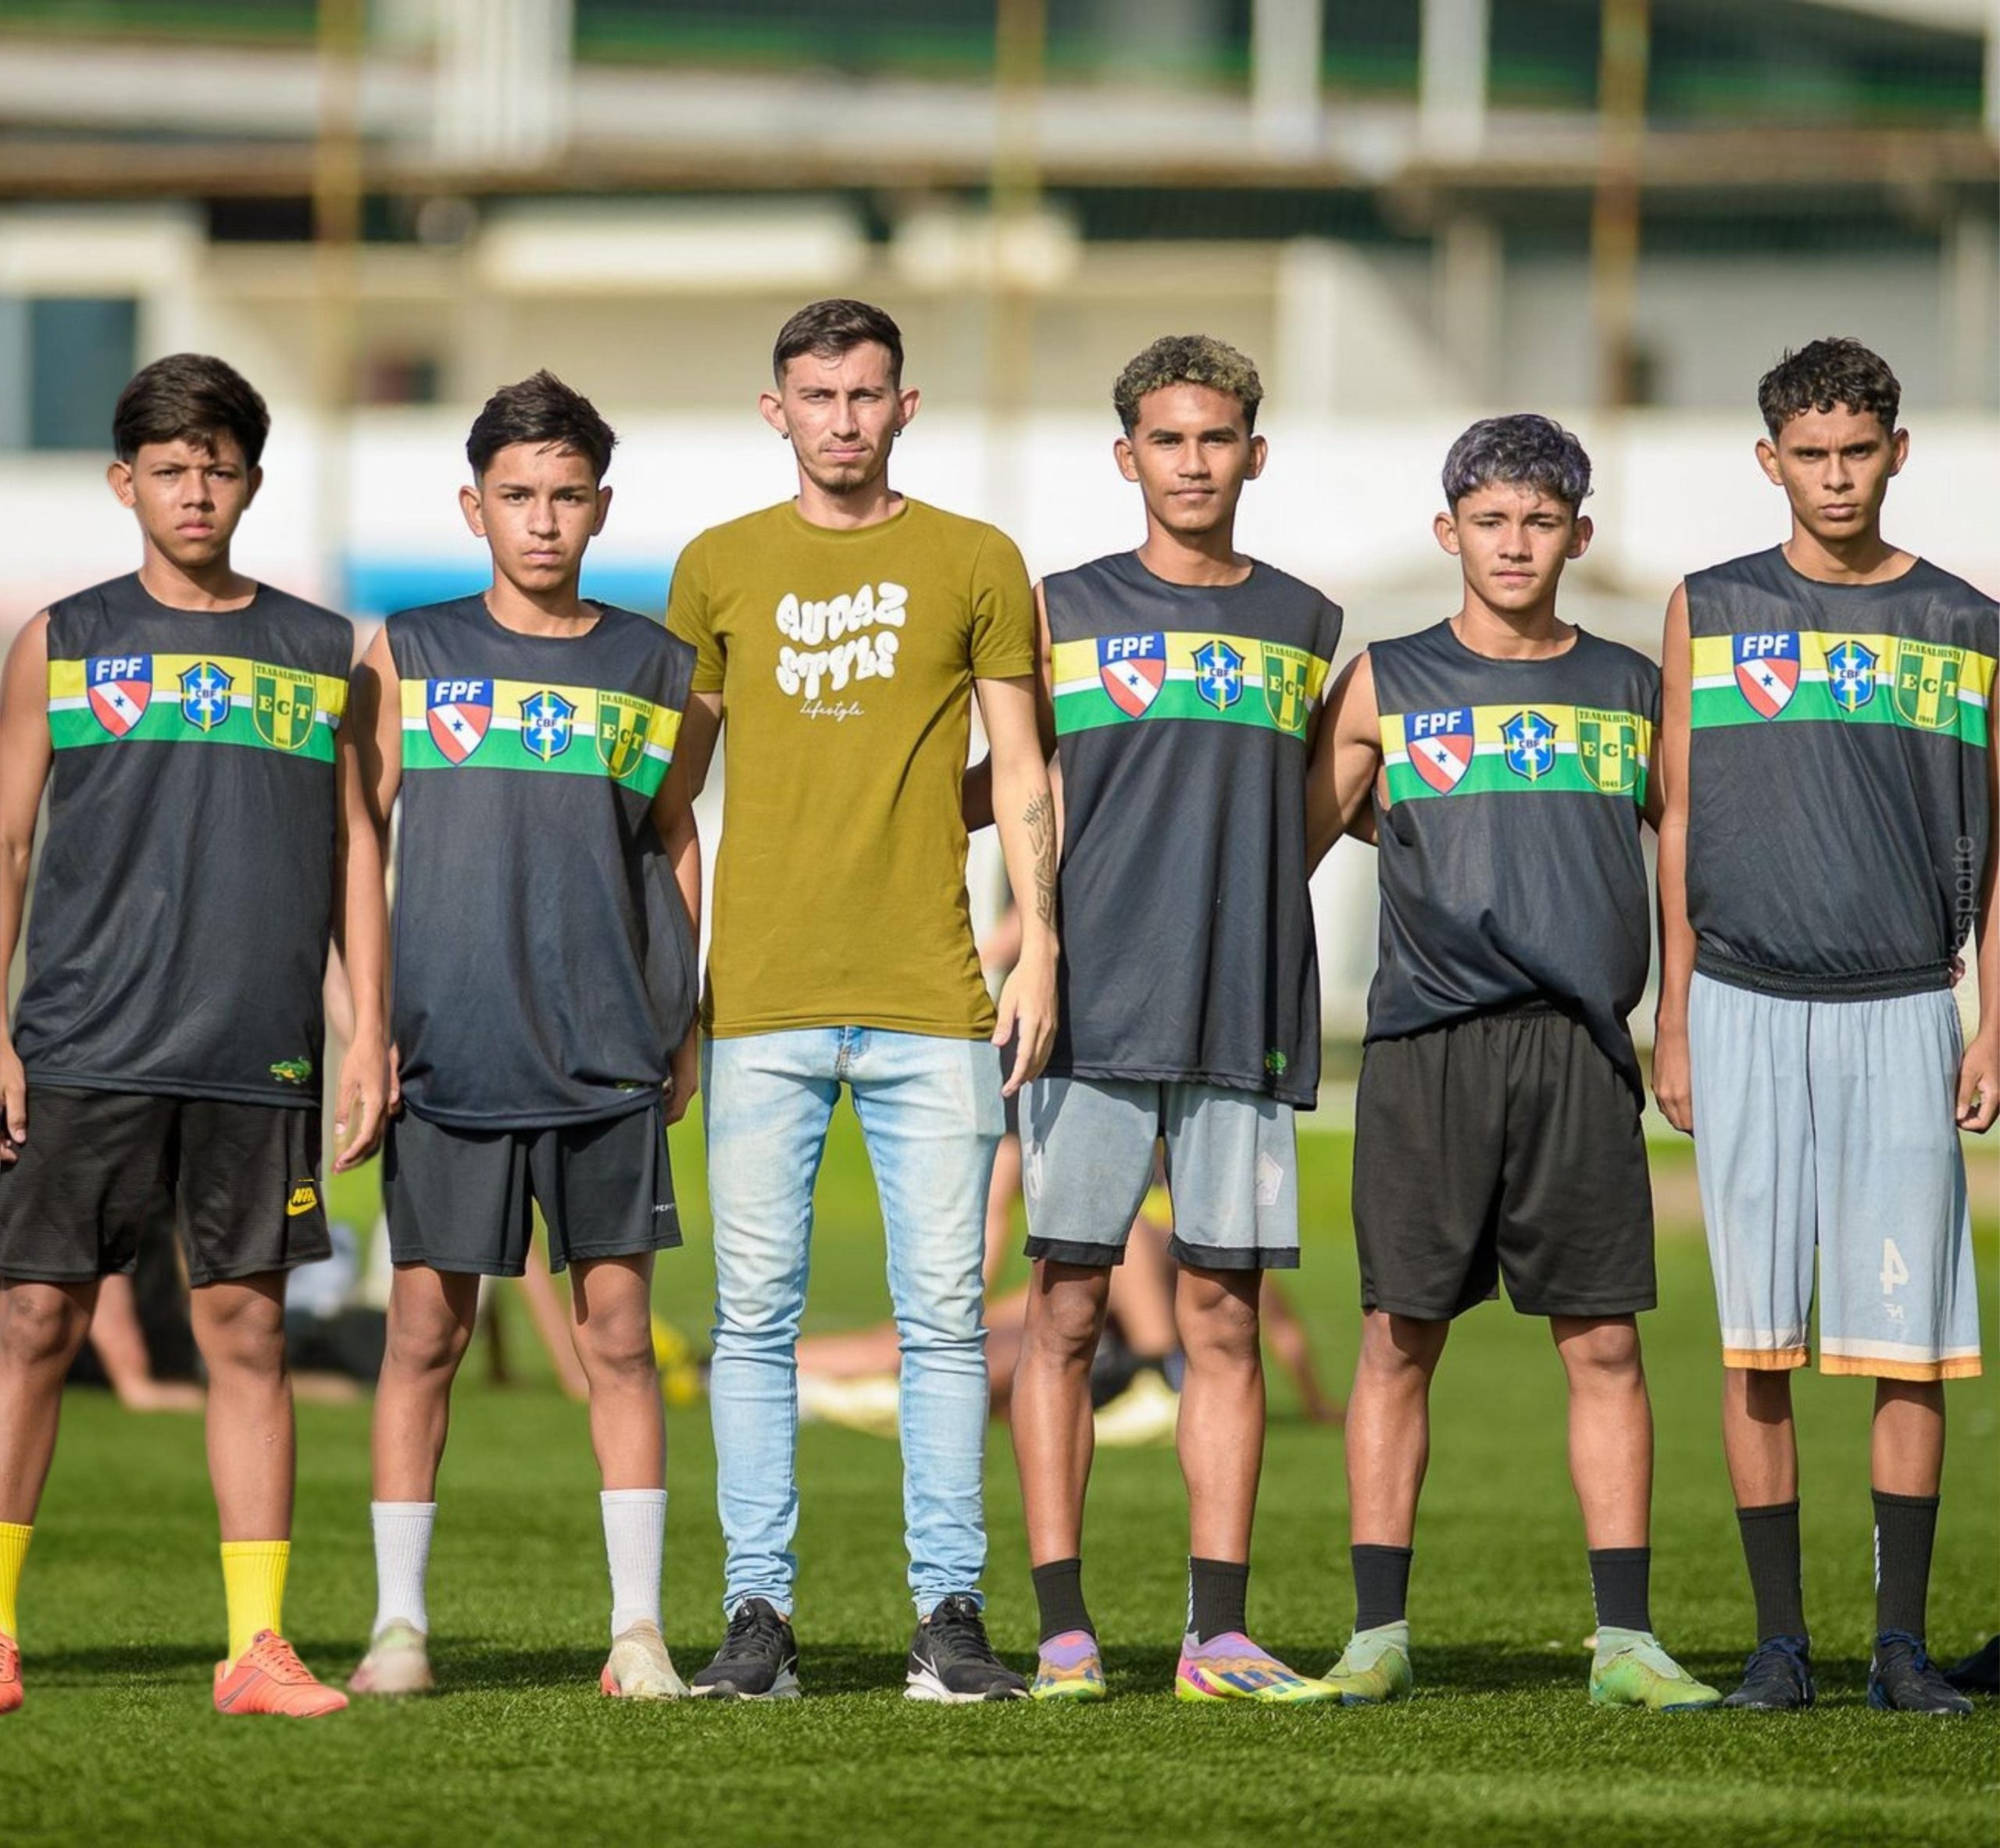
1230, 1666
1069, 1668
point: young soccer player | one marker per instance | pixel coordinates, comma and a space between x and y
1184, 681
1496, 1127
847, 632
185, 722
548, 888
1830, 792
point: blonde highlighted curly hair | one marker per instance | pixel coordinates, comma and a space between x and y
1188, 359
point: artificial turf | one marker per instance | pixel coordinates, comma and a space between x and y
122, 1620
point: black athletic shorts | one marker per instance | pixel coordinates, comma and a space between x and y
463, 1199
241, 1181
1505, 1145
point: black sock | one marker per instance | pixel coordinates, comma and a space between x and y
1058, 1589
1905, 1527
1381, 1585
1770, 1549
1216, 1591
1621, 1581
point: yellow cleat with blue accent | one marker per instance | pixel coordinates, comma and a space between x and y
1374, 1667
1230, 1666
1630, 1669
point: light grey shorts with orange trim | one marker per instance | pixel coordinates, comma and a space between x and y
1827, 1126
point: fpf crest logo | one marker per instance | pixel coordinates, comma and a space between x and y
120, 688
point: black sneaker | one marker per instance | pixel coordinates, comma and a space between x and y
1902, 1679
1980, 1672
1777, 1678
757, 1659
950, 1659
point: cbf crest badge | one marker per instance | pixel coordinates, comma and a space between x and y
120, 688
548, 722
204, 691
1530, 742
1767, 669
1926, 685
1608, 748
623, 726
458, 713
1440, 746
1218, 674
1285, 672
1850, 675
1134, 670
281, 703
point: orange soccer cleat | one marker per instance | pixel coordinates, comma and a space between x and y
11, 1696
268, 1677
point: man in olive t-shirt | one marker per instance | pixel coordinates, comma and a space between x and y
844, 634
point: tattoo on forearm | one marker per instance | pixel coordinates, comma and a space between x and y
1040, 816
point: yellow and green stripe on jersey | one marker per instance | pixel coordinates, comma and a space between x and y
194, 699
1510, 749
1783, 676
523, 725
1112, 679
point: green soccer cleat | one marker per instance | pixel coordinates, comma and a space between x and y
1374, 1668
1630, 1669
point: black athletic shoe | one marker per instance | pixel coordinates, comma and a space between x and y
1902, 1679
757, 1659
950, 1659
1777, 1678
1980, 1672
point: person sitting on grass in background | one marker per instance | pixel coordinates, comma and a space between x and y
1497, 1124
185, 723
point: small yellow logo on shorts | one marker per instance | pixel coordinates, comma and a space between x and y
305, 1198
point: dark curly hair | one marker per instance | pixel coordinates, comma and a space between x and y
1188, 359
1825, 374
1524, 449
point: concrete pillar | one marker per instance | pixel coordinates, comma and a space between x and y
1469, 259
503, 81
1451, 57
1287, 40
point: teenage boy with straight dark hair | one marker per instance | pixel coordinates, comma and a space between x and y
1828, 846
185, 723
548, 892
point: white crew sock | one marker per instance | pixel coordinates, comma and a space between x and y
635, 1539
402, 1561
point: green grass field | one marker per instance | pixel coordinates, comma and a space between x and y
123, 1614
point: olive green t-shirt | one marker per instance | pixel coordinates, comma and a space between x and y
845, 659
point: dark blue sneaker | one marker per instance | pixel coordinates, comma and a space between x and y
1902, 1679
1980, 1672
1777, 1678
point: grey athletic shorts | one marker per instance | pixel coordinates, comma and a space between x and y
1825, 1128
464, 1200
1232, 1171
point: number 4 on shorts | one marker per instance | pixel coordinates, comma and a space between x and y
1894, 1272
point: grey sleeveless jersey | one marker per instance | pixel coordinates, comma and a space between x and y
1838, 813
177, 942
1509, 854
543, 972
1181, 717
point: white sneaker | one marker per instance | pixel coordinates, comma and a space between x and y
1145, 1413
398, 1662
639, 1668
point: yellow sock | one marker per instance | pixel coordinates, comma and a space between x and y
253, 1583
13, 1554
